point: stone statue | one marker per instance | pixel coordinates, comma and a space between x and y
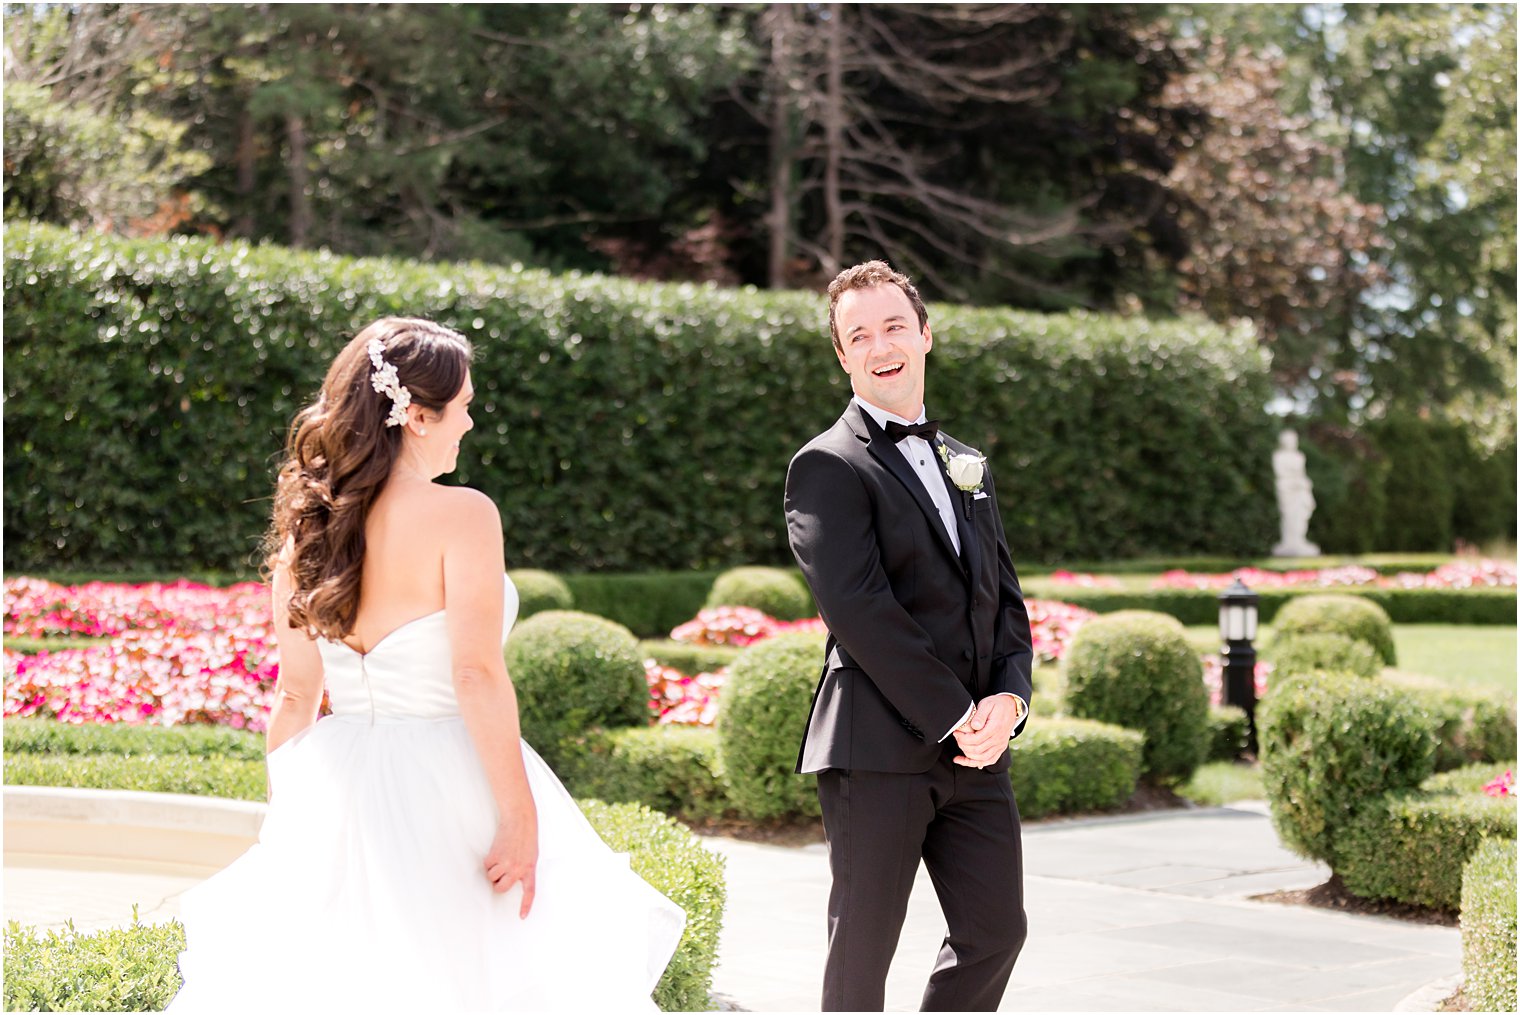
1295, 498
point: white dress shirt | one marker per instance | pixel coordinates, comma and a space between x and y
922, 457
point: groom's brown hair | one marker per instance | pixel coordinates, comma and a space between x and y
868, 276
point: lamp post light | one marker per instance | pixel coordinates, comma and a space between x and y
1237, 629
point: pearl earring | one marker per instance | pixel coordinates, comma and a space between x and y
421, 431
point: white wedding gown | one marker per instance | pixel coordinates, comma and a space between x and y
367, 887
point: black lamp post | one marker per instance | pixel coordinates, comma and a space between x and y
1237, 629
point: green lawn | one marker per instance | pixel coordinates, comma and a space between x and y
1223, 782
1463, 655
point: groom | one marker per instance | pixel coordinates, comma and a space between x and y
927, 669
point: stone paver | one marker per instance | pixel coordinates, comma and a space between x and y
1143, 913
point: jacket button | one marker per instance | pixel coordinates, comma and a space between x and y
966, 653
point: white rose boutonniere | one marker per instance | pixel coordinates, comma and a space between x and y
965, 470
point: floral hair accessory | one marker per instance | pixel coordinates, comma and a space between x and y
386, 382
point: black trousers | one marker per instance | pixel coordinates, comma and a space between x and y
964, 824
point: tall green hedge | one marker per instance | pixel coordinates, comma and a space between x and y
620, 425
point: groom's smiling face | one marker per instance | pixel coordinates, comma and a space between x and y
882, 348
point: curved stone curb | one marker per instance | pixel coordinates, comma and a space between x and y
102, 826
1430, 996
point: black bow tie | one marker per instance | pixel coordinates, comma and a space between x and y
898, 431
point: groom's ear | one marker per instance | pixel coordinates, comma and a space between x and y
928, 339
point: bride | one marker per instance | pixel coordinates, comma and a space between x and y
416, 853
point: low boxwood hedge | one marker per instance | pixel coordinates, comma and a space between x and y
1488, 927
48, 736
123, 969
233, 778
673, 769
1065, 766
668, 856
1472, 724
651, 604
1201, 606
689, 659
1411, 846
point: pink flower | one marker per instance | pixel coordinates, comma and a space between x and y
1503, 785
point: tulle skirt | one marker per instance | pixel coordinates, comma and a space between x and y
367, 890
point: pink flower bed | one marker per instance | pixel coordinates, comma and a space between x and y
178, 653
1083, 580
676, 699
1461, 574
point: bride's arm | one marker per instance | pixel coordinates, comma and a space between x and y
473, 565
298, 692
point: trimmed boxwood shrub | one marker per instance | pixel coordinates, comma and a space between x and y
1229, 732
1354, 617
1332, 743
673, 769
761, 724
1063, 766
574, 672
689, 659
233, 778
538, 591
49, 736
622, 425
650, 605
773, 591
122, 969
1411, 846
671, 859
1488, 927
1306, 653
1137, 669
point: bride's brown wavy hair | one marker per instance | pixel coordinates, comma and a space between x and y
338, 457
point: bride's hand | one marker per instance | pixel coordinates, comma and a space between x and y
513, 857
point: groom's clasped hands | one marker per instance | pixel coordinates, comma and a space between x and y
983, 737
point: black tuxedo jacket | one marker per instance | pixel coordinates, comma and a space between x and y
917, 633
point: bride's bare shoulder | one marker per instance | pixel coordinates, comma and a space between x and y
463, 507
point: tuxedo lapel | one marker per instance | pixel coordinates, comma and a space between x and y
885, 451
966, 528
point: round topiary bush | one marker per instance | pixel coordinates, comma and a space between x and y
1332, 744
538, 591
771, 590
1306, 653
1351, 616
574, 672
1136, 669
760, 726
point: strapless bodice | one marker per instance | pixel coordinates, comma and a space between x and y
408, 674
